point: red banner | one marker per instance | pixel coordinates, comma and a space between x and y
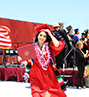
20, 31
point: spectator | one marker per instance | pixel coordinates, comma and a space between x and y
86, 42
61, 24
60, 34
59, 57
76, 37
71, 41
83, 38
80, 64
70, 35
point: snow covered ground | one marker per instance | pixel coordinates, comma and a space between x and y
20, 89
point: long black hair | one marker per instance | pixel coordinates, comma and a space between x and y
48, 39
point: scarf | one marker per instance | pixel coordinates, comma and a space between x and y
43, 55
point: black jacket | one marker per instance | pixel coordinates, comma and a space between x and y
80, 58
64, 35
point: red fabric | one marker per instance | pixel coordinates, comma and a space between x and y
44, 80
2, 75
7, 73
58, 49
43, 27
5, 41
39, 28
21, 31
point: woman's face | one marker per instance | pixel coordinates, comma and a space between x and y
42, 37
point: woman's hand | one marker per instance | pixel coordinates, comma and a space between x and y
85, 41
23, 62
19, 58
86, 55
54, 40
49, 32
86, 51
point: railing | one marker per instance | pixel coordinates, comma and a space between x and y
72, 49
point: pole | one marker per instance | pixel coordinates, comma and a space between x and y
73, 64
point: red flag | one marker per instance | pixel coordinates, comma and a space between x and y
5, 41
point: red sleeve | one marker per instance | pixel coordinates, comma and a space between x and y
58, 49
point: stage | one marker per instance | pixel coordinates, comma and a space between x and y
7, 73
20, 89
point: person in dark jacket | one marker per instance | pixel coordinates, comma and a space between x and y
60, 56
80, 64
71, 41
64, 35
61, 34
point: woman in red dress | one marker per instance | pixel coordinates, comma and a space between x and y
43, 80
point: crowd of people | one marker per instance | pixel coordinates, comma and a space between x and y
70, 39
79, 47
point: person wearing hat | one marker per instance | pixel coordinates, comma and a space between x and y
86, 31
61, 24
86, 42
43, 80
59, 57
57, 35
56, 27
71, 41
70, 35
61, 34
83, 36
83, 39
76, 35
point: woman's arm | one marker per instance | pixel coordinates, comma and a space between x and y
24, 62
86, 55
54, 40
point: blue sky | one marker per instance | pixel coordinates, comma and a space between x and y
71, 12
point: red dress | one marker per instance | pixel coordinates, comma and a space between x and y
44, 80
